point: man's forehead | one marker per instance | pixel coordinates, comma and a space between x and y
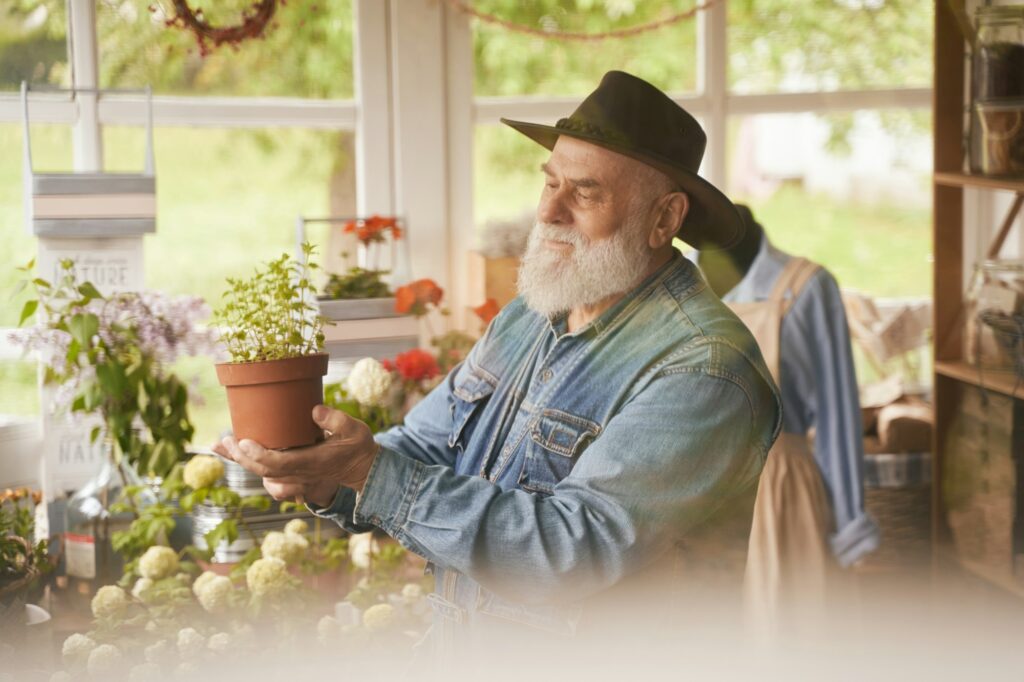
573, 156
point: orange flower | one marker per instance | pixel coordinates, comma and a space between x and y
372, 229
487, 310
414, 297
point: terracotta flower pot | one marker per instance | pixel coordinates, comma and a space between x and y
272, 402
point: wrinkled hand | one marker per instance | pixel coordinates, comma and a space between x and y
312, 473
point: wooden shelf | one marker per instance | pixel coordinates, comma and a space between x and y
968, 180
994, 380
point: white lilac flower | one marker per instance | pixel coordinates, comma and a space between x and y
369, 382
379, 617
213, 594
286, 547
190, 642
267, 576
158, 562
104, 661
159, 652
360, 548
110, 600
296, 527
219, 642
202, 471
77, 648
145, 672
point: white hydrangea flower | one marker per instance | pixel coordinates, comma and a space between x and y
219, 642
369, 383
284, 546
296, 527
110, 600
141, 585
158, 562
360, 548
104, 661
190, 642
214, 593
379, 617
159, 652
202, 471
267, 576
412, 592
145, 672
77, 648
203, 578
327, 629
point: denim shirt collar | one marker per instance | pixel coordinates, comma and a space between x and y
558, 324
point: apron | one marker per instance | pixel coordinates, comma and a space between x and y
788, 557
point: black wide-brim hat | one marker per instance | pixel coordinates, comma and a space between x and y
628, 115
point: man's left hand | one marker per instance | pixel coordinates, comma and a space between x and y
312, 473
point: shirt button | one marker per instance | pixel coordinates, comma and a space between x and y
546, 375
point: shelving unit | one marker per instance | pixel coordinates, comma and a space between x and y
985, 477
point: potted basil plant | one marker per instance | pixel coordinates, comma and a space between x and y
274, 334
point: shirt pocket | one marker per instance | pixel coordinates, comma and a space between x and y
470, 391
556, 441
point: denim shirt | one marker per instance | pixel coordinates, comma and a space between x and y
550, 466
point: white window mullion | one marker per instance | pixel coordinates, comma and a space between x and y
87, 136
712, 81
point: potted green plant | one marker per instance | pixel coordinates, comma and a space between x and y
273, 331
23, 559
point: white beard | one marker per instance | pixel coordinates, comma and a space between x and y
554, 282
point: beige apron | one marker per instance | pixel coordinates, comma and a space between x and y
788, 558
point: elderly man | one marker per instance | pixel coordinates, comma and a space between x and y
608, 413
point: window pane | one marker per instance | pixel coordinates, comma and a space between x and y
814, 45
33, 43
227, 200
510, 63
51, 150
851, 192
306, 52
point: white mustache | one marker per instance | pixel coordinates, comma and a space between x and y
562, 235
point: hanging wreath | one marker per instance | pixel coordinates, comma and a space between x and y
254, 22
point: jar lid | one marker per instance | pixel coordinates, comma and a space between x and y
997, 12
1001, 104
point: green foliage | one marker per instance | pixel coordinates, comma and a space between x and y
33, 46
273, 315
357, 283
19, 555
126, 386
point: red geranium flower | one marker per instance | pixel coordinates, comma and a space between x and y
372, 229
487, 310
414, 297
417, 365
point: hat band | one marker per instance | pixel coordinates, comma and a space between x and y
578, 126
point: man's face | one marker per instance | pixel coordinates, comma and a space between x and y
593, 223
587, 189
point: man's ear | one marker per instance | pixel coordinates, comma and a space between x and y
674, 207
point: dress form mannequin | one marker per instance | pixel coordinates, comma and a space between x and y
725, 268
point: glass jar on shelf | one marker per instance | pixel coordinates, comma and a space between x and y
997, 92
994, 312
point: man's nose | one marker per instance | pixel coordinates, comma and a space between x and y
552, 208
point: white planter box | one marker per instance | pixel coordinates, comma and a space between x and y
367, 327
